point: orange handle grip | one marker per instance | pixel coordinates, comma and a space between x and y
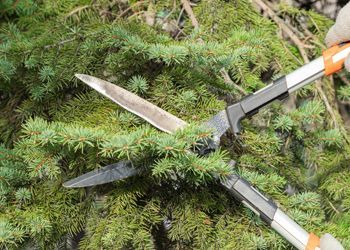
313, 242
334, 58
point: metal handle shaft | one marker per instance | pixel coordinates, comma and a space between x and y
267, 210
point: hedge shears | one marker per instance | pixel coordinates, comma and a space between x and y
331, 62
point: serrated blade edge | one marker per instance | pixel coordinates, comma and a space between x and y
219, 124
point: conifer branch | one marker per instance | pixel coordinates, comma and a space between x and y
69, 129
301, 46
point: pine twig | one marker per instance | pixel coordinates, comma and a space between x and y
170, 13
129, 8
136, 14
345, 79
333, 207
187, 6
14, 5
60, 43
180, 15
228, 80
326, 102
77, 10
292, 28
68, 40
41, 164
264, 7
3, 179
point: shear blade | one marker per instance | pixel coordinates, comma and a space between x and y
135, 104
110, 173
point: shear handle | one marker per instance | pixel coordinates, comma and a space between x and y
334, 58
332, 61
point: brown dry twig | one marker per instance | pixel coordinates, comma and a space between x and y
265, 8
187, 6
60, 43
333, 207
129, 8
77, 10
326, 102
228, 80
344, 79
170, 13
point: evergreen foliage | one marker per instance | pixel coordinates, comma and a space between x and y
54, 128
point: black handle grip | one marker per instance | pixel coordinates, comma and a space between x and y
251, 104
250, 197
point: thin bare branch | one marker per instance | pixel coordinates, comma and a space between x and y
228, 80
77, 10
344, 79
129, 8
301, 46
60, 43
187, 6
